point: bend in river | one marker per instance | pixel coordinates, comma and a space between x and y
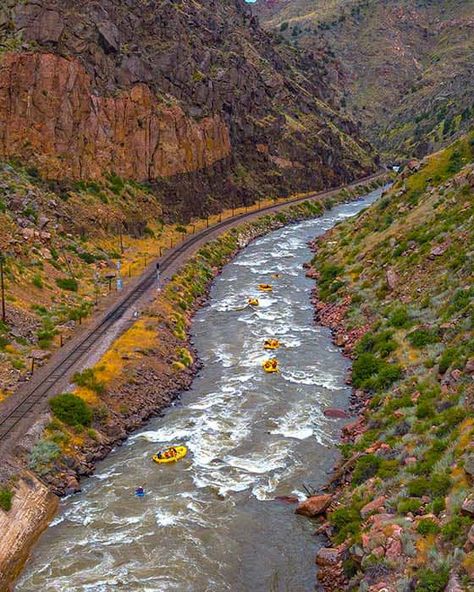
210, 522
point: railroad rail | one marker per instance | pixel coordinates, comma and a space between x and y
43, 385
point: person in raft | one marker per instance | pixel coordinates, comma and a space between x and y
171, 453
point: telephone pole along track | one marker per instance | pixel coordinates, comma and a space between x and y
19, 411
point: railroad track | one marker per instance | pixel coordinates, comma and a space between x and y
43, 385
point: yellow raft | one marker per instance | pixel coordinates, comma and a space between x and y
271, 344
270, 366
170, 455
265, 287
253, 301
276, 275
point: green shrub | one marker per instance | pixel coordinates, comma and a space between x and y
449, 419
432, 581
71, 409
422, 337
455, 530
418, 487
363, 368
427, 526
346, 521
399, 318
69, 284
387, 375
447, 358
88, 379
365, 468
43, 455
409, 504
6, 496
327, 282
37, 281
437, 505
388, 469
381, 343
425, 409
87, 257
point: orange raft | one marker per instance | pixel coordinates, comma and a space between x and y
271, 344
270, 365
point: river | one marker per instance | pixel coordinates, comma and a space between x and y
210, 522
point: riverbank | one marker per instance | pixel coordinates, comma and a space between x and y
393, 287
143, 372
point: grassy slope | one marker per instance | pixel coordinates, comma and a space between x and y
406, 65
413, 362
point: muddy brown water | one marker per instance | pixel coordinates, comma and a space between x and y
210, 522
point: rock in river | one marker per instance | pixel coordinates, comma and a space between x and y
314, 505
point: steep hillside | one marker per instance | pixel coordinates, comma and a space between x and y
404, 68
192, 97
396, 288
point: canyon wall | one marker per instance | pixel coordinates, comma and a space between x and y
179, 94
50, 117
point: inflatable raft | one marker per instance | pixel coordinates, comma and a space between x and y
170, 455
271, 344
265, 287
270, 366
253, 301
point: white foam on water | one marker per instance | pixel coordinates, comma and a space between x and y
258, 463
313, 377
164, 517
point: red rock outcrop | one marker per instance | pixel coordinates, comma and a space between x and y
50, 117
33, 507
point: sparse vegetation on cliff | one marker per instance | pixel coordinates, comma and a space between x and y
402, 306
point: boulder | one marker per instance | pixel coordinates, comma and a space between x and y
393, 550
454, 584
469, 368
469, 464
335, 413
373, 506
314, 505
467, 507
329, 556
287, 499
392, 279
439, 250
469, 546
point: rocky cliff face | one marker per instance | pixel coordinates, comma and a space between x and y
49, 116
193, 96
404, 68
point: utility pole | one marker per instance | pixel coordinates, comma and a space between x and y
121, 238
2, 284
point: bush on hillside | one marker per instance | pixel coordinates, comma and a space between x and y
71, 409
432, 581
6, 496
422, 337
372, 373
69, 284
365, 468
88, 379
